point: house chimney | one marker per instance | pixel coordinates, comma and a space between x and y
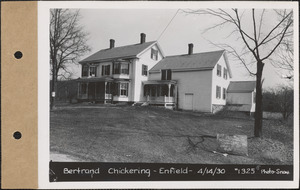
112, 43
191, 46
143, 38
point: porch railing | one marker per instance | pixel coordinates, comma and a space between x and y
160, 99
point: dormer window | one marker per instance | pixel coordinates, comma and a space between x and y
154, 54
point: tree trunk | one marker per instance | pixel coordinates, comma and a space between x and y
258, 106
53, 85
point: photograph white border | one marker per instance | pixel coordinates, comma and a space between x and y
43, 96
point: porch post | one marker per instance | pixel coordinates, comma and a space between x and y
95, 91
169, 91
105, 92
87, 90
78, 90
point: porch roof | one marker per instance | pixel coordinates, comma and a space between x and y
160, 82
96, 79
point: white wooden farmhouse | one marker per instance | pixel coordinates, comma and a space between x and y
141, 73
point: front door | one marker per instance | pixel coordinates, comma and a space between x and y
188, 101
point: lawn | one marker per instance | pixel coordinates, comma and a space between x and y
105, 133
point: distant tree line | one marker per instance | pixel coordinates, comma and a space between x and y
280, 99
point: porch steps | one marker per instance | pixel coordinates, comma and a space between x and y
140, 104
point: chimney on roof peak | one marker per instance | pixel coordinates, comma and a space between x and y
111, 43
191, 46
143, 38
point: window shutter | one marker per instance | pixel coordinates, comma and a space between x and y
108, 69
126, 89
128, 68
163, 75
102, 72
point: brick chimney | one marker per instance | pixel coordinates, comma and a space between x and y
111, 43
143, 38
191, 46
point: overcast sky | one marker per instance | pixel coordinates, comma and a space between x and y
125, 26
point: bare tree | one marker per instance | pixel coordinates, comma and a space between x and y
67, 44
280, 99
259, 39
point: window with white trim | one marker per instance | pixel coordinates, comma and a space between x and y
166, 74
218, 92
154, 54
219, 70
225, 74
123, 89
93, 71
144, 70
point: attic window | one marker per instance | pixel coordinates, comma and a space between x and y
154, 54
225, 74
219, 70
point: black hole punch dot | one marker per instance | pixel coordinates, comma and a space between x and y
17, 135
18, 55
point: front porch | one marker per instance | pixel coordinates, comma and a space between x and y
161, 92
95, 90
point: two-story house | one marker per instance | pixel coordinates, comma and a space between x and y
141, 73
200, 80
116, 74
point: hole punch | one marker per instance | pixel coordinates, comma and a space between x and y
18, 55
17, 135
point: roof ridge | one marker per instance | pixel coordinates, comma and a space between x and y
195, 53
128, 45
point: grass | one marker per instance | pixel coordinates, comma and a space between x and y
153, 134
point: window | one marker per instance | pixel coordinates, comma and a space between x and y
105, 70
144, 70
154, 54
219, 70
224, 93
85, 70
225, 73
166, 74
117, 67
218, 92
93, 71
124, 89
125, 69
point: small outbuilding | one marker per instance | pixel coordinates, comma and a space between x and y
241, 96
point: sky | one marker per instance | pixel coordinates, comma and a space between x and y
125, 26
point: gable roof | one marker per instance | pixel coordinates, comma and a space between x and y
241, 86
128, 51
206, 60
